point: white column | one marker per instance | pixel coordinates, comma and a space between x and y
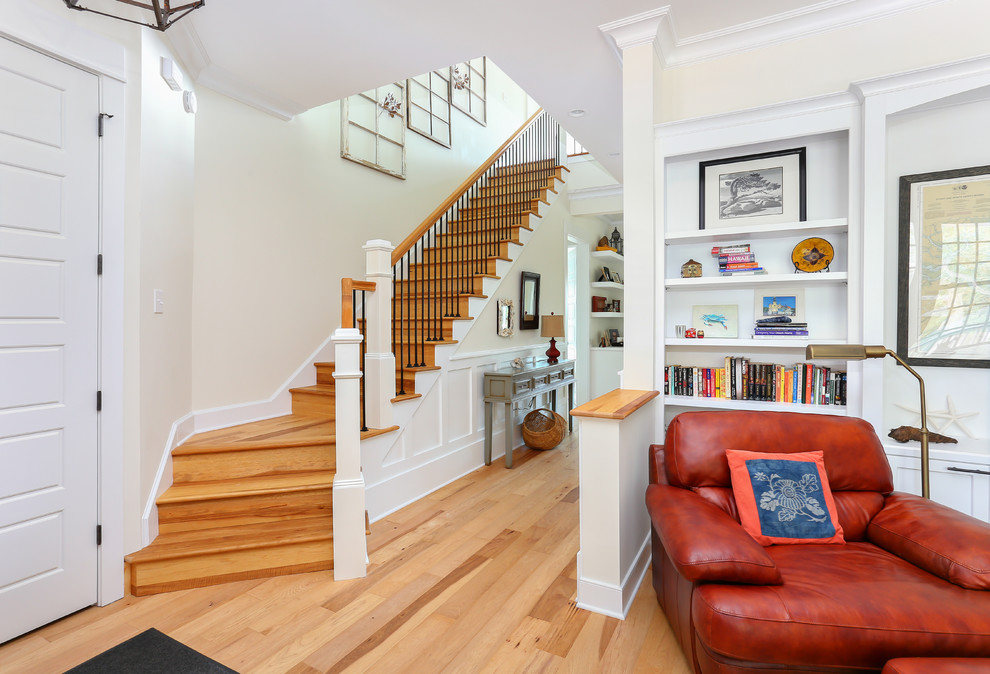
350, 548
379, 361
636, 38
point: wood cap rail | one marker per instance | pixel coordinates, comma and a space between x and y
347, 288
617, 404
432, 218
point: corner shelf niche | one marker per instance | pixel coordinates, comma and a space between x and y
831, 298
606, 361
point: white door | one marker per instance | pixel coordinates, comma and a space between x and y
49, 240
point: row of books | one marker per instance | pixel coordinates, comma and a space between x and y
775, 330
742, 379
736, 260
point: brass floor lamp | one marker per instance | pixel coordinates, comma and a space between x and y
860, 352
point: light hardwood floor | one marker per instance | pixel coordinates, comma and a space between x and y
477, 577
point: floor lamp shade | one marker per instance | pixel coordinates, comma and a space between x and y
552, 326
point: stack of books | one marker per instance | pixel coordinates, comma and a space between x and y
736, 260
742, 379
779, 327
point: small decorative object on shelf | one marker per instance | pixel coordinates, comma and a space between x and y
603, 244
517, 364
606, 276
616, 241
614, 338
691, 269
905, 433
680, 331
691, 333
598, 303
812, 255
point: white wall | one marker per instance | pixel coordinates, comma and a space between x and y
920, 142
280, 218
825, 63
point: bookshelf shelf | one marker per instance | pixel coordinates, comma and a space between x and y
834, 226
757, 280
755, 405
606, 314
607, 255
606, 284
745, 344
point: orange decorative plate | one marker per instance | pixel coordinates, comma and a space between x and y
812, 255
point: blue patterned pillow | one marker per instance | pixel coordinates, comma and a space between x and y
784, 498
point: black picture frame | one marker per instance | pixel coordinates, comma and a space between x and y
954, 190
713, 173
529, 301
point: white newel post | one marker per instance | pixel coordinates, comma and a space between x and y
350, 548
379, 361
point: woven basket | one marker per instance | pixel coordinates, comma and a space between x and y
543, 429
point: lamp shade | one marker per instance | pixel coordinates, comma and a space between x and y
552, 326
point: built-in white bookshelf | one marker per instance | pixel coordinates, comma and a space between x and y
831, 298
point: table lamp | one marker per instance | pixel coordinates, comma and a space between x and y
860, 352
552, 326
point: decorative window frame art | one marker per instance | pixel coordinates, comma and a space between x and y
755, 189
428, 109
373, 129
469, 88
943, 270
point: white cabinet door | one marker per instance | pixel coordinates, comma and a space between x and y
49, 239
957, 484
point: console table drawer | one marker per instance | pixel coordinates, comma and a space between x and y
523, 386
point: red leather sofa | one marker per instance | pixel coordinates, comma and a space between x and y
909, 581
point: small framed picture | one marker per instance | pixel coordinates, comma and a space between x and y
755, 189
775, 302
717, 320
614, 338
615, 277
606, 275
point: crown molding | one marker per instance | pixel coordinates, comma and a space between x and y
635, 31
595, 192
673, 51
191, 52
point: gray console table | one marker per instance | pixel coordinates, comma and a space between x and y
508, 385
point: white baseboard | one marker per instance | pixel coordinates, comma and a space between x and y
613, 600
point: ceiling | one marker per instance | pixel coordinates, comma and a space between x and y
288, 57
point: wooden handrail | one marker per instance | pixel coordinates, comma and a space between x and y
432, 218
347, 288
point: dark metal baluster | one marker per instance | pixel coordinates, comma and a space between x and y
364, 351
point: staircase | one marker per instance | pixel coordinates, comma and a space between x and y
256, 500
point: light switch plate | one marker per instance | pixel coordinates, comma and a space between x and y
159, 301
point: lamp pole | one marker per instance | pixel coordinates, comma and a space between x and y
925, 491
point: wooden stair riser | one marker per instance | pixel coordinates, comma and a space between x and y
413, 306
489, 230
167, 575
415, 355
455, 269
468, 240
498, 250
470, 285
492, 204
313, 403
252, 509
433, 326
252, 462
542, 178
514, 191
324, 374
488, 214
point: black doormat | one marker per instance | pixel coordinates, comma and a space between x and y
151, 652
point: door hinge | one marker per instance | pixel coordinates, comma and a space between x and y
99, 264
99, 534
103, 116
99, 401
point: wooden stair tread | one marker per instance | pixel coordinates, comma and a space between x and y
406, 396
327, 390
182, 544
184, 492
286, 431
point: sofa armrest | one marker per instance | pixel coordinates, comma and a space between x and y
940, 540
704, 543
658, 472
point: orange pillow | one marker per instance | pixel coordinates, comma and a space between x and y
784, 498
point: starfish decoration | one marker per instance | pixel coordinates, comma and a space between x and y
950, 415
